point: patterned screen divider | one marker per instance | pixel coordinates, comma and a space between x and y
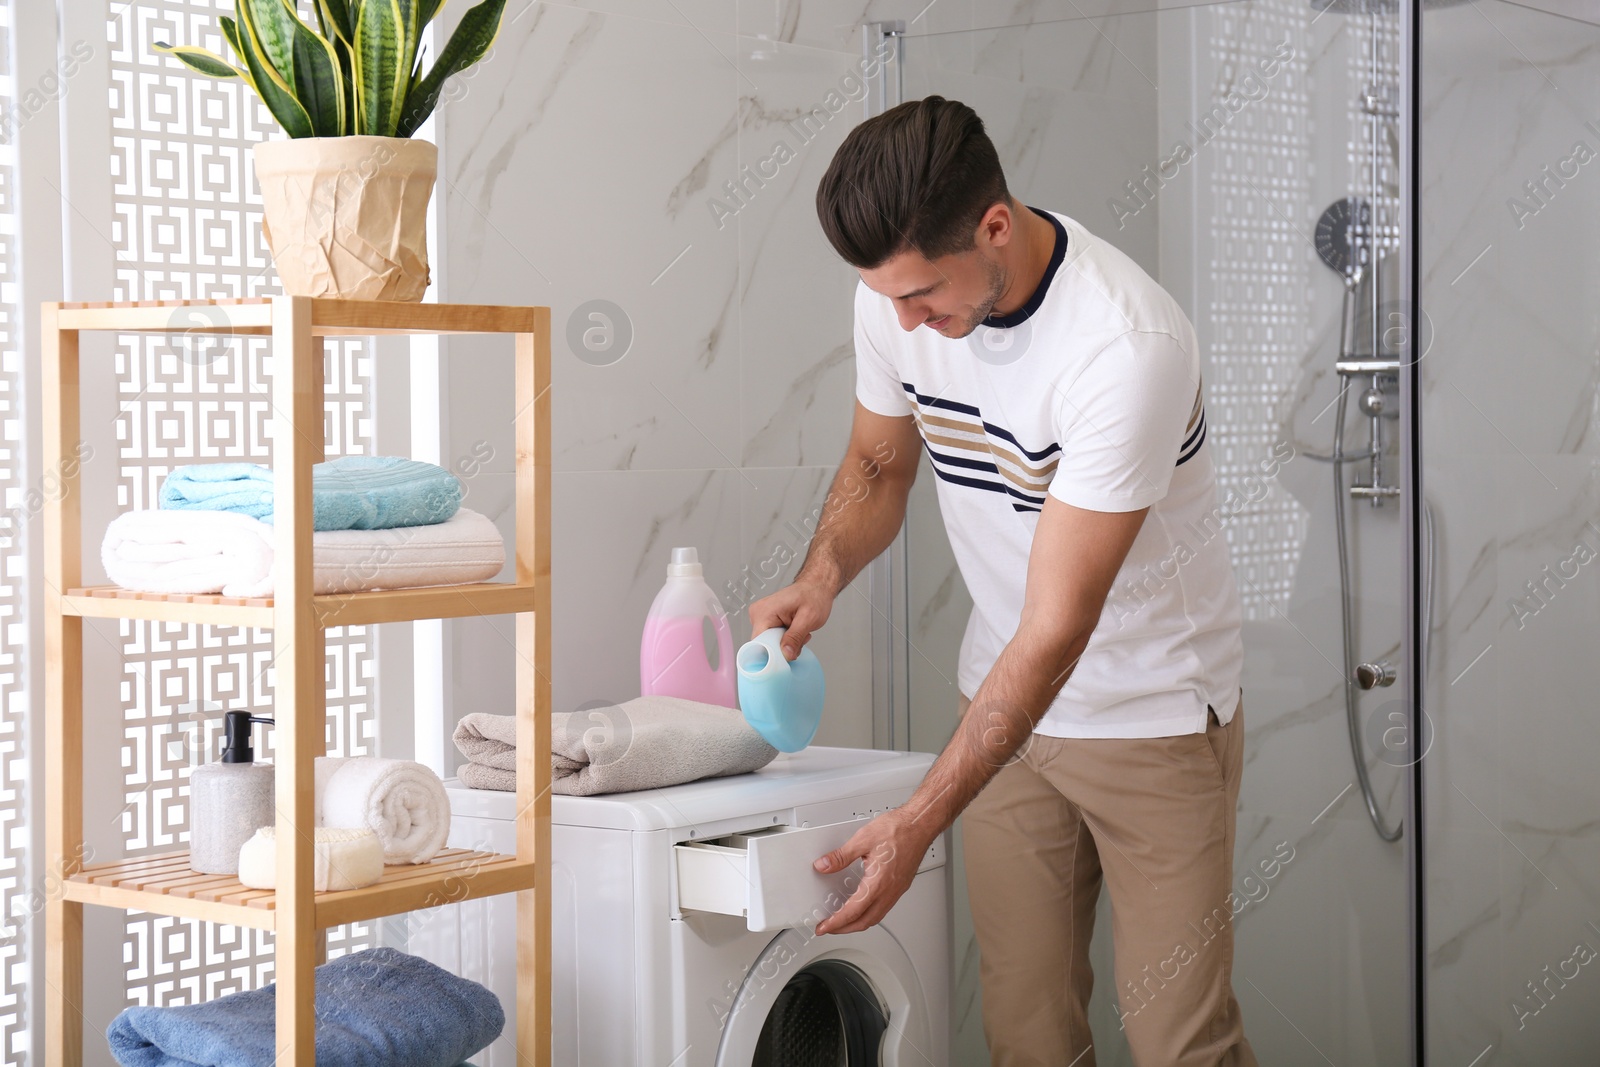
1259, 182
188, 225
16, 909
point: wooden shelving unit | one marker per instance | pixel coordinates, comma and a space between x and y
299, 620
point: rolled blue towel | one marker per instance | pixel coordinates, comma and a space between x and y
376, 1008
348, 493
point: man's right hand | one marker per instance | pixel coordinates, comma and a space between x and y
801, 608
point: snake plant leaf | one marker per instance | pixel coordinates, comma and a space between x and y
317, 82
467, 45
272, 27
376, 51
347, 79
426, 10
335, 14
271, 86
199, 59
230, 30
410, 39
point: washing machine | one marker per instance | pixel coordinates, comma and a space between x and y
683, 923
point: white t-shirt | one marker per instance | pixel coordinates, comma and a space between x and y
1091, 391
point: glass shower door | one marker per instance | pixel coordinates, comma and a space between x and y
1509, 420
1208, 142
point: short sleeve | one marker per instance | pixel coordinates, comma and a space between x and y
1125, 421
877, 382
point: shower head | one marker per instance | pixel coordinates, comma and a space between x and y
1344, 237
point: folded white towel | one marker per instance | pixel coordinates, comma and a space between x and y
170, 551
467, 547
344, 859
402, 801
158, 551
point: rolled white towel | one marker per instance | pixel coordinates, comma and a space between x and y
158, 551
345, 858
402, 801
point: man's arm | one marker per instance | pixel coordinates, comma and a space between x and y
1075, 557
860, 517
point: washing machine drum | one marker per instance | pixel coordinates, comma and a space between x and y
827, 1015
850, 1000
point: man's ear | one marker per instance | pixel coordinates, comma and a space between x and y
997, 224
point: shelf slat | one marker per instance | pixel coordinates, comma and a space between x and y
328, 317
425, 602
163, 884
114, 602
170, 316
333, 609
363, 317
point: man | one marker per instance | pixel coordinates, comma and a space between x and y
1057, 390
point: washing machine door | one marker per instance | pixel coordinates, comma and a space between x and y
829, 1000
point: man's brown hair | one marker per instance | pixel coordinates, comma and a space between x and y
919, 176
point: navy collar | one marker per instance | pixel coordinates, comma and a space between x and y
1057, 255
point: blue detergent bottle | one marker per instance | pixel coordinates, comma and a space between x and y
781, 701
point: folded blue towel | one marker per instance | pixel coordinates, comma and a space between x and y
377, 1008
348, 493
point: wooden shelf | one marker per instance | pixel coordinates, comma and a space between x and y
165, 884
332, 609
329, 318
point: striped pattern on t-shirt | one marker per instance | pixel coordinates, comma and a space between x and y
967, 449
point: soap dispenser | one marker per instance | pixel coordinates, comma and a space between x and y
229, 800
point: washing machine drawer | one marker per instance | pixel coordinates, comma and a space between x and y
766, 875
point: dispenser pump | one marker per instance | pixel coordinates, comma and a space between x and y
238, 746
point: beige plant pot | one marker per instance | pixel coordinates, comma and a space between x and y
348, 216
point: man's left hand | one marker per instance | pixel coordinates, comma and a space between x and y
892, 846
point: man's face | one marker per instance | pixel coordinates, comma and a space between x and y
951, 295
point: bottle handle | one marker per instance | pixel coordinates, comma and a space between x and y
725, 665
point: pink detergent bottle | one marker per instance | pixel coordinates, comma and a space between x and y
672, 654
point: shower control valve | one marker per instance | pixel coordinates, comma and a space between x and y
1374, 675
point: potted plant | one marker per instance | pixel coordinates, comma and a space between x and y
345, 197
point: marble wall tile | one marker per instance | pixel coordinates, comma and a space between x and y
835, 25
1308, 953
780, 508
527, 222
1464, 690
1468, 1006
795, 295
1545, 672
614, 532
1549, 886
1115, 56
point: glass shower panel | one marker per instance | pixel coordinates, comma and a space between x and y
1509, 230
1207, 142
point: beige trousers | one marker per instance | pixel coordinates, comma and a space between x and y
1154, 819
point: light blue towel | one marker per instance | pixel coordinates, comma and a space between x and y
377, 1008
348, 493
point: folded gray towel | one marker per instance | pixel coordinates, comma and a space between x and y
644, 743
478, 776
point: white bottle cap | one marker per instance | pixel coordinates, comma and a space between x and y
685, 563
